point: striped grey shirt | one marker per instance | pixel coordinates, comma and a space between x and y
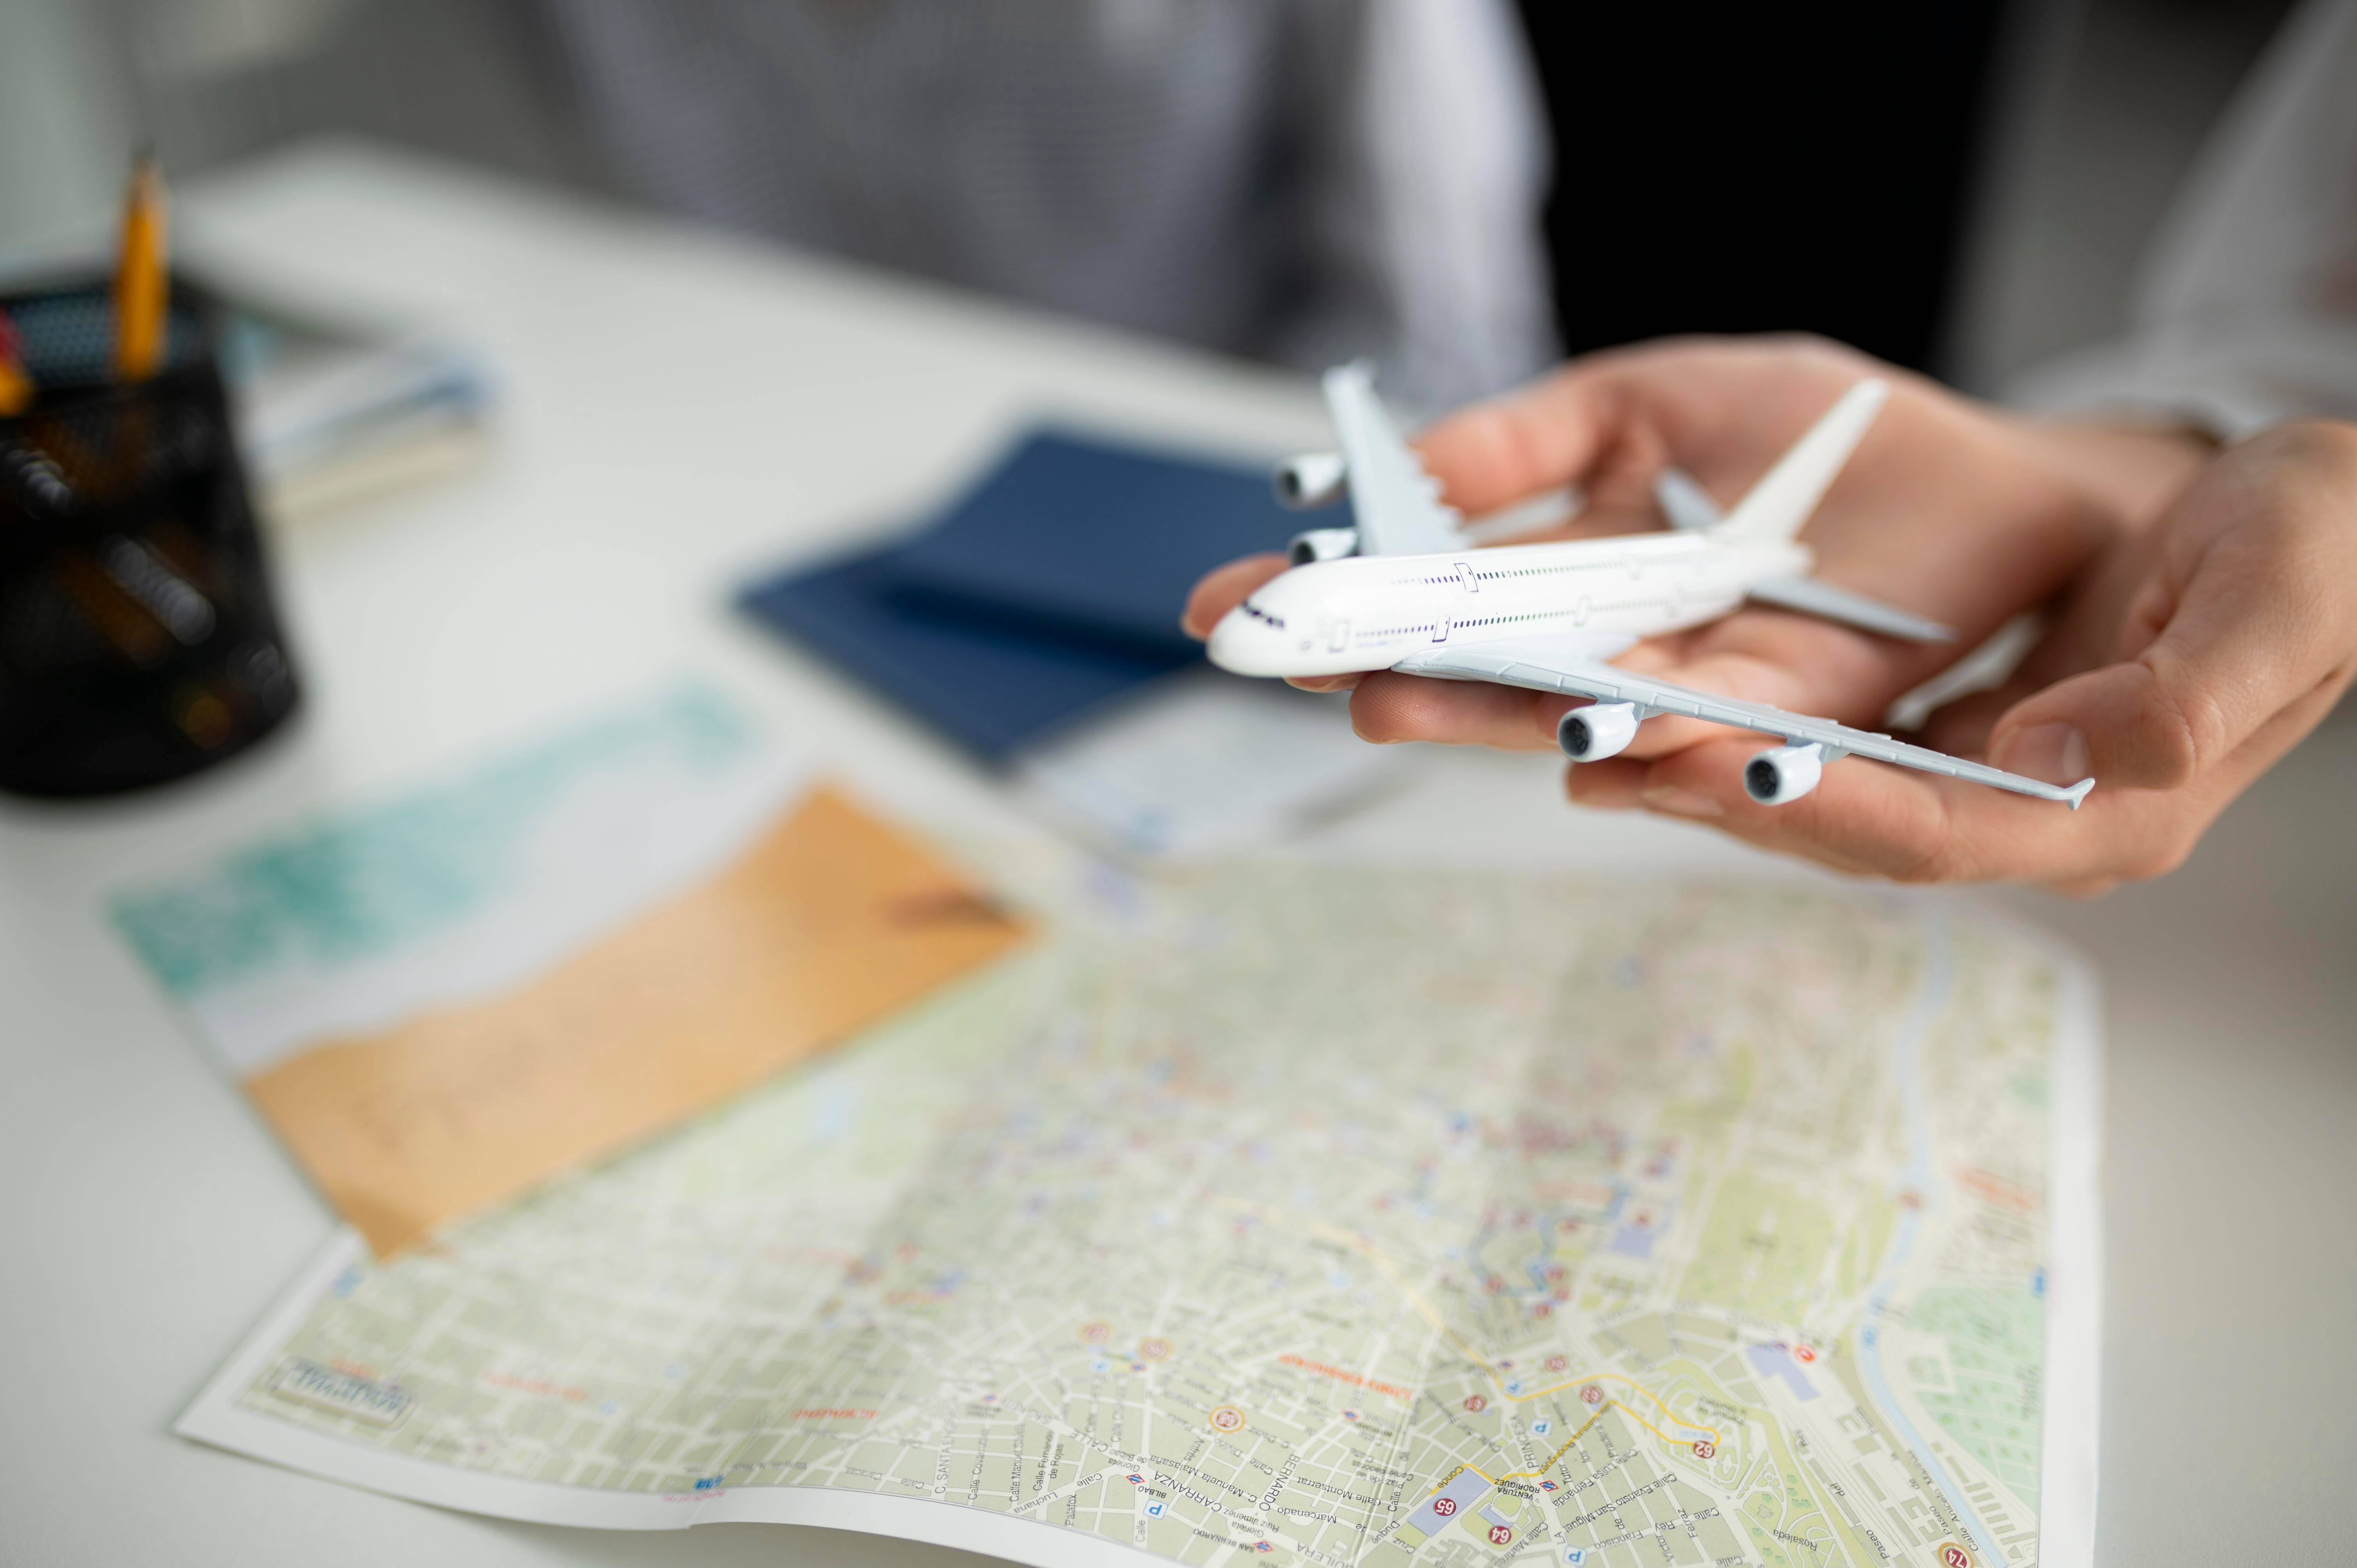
1300, 180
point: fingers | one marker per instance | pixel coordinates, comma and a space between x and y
1617, 784
1545, 434
1860, 817
2191, 656
1799, 685
2215, 643
1867, 818
1621, 409
2229, 659
1828, 675
1223, 589
1387, 707
2245, 613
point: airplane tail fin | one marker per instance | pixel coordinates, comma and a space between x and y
1779, 503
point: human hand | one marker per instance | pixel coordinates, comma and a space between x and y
2184, 662
1947, 509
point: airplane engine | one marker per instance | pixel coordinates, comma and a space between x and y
1323, 545
1786, 773
1597, 731
1313, 479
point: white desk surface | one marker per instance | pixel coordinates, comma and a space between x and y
678, 410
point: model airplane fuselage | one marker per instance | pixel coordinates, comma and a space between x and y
1332, 618
1405, 590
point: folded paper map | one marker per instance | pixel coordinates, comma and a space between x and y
1308, 1215
441, 1001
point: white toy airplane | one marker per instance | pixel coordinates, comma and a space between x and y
1405, 590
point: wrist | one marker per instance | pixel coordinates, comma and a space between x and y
2134, 470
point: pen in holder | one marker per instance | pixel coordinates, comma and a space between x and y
138, 639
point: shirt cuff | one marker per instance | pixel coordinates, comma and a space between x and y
2227, 379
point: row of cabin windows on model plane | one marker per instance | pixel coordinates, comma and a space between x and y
1388, 633
1531, 572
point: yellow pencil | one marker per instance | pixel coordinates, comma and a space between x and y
16, 386
140, 284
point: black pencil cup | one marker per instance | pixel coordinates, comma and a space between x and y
138, 639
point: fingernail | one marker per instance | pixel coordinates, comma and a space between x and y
2052, 753
1325, 682
1677, 802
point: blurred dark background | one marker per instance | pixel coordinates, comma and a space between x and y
1960, 186
1963, 185
1775, 166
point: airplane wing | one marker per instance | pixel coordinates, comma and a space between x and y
1811, 596
1396, 503
1570, 667
1685, 502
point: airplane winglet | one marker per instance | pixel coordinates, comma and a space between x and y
2077, 792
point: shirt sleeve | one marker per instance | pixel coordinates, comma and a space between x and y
2247, 311
1424, 202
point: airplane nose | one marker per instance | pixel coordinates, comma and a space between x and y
1242, 646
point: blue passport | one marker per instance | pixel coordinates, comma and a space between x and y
987, 684
1095, 538
1052, 587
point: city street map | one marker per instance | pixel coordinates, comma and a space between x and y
1308, 1214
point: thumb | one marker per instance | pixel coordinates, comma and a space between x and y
2120, 724
2161, 720
2251, 631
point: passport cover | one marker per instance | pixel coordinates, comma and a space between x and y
1097, 539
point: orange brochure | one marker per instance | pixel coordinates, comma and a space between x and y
440, 1004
